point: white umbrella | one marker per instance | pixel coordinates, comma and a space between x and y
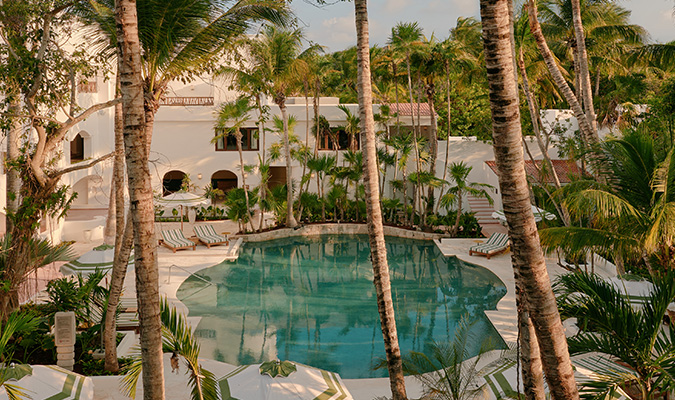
539, 214
501, 376
52, 382
100, 258
183, 199
248, 382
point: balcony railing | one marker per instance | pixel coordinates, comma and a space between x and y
186, 101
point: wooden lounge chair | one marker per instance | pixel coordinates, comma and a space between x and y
208, 236
496, 243
175, 240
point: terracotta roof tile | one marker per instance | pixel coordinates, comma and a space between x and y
565, 169
405, 109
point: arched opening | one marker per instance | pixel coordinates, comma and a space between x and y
77, 149
224, 180
172, 182
86, 189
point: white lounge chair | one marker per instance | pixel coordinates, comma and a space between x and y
496, 243
175, 240
208, 236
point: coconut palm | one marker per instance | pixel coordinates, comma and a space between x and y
528, 259
378, 252
230, 118
322, 166
633, 214
634, 335
276, 53
459, 172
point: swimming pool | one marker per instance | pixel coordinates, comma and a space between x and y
312, 300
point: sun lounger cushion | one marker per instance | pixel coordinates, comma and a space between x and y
175, 238
207, 234
495, 243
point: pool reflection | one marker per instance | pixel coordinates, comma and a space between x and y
311, 300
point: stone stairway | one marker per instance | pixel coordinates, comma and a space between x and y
484, 211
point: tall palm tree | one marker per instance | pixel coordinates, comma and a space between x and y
140, 194
378, 251
277, 55
528, 258
231, 117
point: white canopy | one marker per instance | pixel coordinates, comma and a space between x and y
50, 381
539, 214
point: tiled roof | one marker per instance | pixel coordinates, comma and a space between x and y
405, 109
564, 169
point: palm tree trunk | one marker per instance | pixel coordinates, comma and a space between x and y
455, 228
290, 219
13, 178
140, 191
527, 254
238, 135
378, 251
590, 134
530, 358
433, 141
447, 143
583, 72
117, 181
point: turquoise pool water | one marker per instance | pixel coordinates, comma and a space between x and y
312, 300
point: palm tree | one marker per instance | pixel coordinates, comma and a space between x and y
140, 194
178, 338
633, 214
528, 259
611, 325
459, 172
277, 54
378, 251
322, 166
17, 323
231, 117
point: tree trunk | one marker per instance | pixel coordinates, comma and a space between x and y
530, 358
116, 208
378, 250
590, 134
433, 141
290, 219
140, 193
584, 73
238, 135
527, 255
13, 154
455, 228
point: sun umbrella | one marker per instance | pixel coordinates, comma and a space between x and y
539, 214
100, 258
52, 382
255, 382
183, 199
501, 376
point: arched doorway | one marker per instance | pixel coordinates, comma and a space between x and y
86, 188
172, 182
224, 180
78, 147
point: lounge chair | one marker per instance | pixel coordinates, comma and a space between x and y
496, 243
208, 236
175, 240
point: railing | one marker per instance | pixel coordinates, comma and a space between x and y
186, 101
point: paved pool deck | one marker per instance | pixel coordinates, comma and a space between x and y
174, 268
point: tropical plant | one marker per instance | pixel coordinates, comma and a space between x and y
16, 323
445, 375
632, 215
230, 118
82, 295
177, 338
459, 172
610, 324
237, 209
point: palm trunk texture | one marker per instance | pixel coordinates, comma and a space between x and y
141, 204
378, 251
527, 256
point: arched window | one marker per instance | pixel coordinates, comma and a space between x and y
77, 149
224, 180
172, 182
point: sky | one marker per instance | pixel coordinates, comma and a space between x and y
332, 25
